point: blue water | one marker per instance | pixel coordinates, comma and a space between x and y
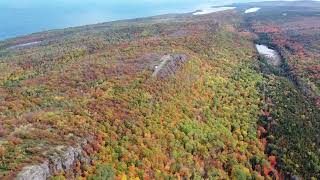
21, 17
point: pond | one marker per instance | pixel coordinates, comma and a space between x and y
272, 56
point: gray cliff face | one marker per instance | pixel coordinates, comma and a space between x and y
36, 172
62, 159
169, 65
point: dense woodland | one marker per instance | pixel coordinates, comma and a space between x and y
293, 87
223, 114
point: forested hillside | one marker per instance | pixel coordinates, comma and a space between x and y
294, 86
167, 97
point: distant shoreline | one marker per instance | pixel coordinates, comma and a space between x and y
200, 11
197, 11
39, 28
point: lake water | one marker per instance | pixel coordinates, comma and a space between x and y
21, 17
252, 10
211, 10
273, 57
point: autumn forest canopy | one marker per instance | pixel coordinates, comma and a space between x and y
177, 96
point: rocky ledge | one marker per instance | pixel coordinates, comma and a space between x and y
169, 65
61, 160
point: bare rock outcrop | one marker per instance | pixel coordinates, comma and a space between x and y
61, 159
169, 65
35, 172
